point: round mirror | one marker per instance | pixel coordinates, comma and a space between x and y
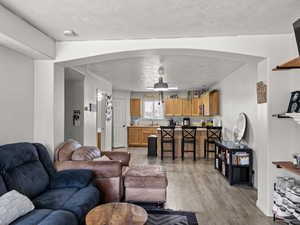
240, 127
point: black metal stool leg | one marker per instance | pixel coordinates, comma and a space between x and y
182, 149
173, 149
204, 149
194, 149
162, 150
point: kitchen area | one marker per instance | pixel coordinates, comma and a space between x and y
149, 111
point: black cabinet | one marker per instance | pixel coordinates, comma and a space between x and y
234, 162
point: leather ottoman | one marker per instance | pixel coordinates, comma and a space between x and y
147, 184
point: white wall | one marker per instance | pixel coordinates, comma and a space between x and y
238, 94
74, 100
91, 84
16, 97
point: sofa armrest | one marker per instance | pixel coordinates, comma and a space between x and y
71, 179
101, 169
124, 157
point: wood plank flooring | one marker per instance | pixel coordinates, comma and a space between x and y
196, 186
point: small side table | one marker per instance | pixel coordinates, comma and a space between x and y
117, 214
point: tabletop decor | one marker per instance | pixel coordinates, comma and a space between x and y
240, 128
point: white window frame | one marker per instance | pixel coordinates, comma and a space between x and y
157, 112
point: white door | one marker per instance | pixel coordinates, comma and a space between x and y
119, 123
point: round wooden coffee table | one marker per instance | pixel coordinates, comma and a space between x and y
117, 214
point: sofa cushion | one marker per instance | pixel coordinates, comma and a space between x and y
21, 168
83, 201
47, 217
45, 158
71, 178
78, 201
86, 153
54, 198
2, 186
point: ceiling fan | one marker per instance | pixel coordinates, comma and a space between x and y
161, 85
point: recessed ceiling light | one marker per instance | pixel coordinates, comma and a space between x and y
70, 33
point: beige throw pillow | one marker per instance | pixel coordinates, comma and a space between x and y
12, 206
86, 153
102, 158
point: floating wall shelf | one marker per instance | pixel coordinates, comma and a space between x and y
295, 116
292, 64
289, 166
281, 116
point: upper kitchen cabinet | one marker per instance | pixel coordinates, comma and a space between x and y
206, 105
135, 107
196, 106
173, 107
211, 103
186, 107
177, 106
169, 107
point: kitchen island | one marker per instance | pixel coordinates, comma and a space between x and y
200, 137
138, 137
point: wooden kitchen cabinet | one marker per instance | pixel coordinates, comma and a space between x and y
146, 132
177, 107
211, 103
205, 105
168, 107
135, 107
138, 136
186, 107
214, 104
196, 106
134, 136
173, 107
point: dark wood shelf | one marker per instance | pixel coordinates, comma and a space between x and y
281, 116
292, 64
289, 166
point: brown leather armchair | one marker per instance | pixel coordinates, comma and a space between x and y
108, 174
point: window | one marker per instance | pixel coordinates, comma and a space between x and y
153, 109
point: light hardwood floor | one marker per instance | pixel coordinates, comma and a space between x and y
196, 186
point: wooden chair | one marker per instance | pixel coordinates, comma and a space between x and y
188, 137
212, 134
167, 137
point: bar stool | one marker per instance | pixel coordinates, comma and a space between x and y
167, 134
212, 134
188, 137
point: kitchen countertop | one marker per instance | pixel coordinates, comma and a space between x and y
145, 126
199, 128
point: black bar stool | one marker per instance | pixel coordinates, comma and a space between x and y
212, 134
188, 137
167, 134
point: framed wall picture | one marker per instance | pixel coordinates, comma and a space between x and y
261, 91
294, 105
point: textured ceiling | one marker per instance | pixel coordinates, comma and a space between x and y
183, 71
133, 19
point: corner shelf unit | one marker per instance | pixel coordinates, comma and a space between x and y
226, 165
292, 64
286, 165
290, 167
